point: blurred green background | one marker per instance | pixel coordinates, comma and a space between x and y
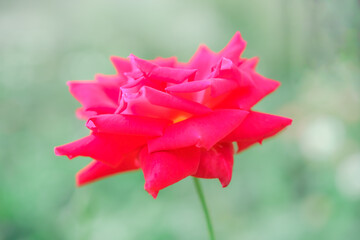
303, 184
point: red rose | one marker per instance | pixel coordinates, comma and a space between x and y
172, 119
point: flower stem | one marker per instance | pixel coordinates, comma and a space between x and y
204, 207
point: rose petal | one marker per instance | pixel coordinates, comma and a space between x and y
234, 48
226, 69
220, 86
249, 63
165, 62
154, 103
164, 74
110, 85
162, 169
217, 163
84, 115
201, 131
97, 170
242, 145
256, 127
187, 87
127, 124
201, 93
172, 75
202, 60
121, 65
107, 148
246, 97
144, 66
92, 96
110, 80
167, 100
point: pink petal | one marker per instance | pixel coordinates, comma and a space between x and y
106, 148
242, 145
165, 62
172, 75
144, 66
201, 131
217, 163
226, 69
164, 74
109, 79
220, 86
256, 127
133, 85
97, 170
162, 169
187, 87
85, 115
154, 103
202, 60
127, 124
199, 90
110, 85
92, 96
140, 106
249, 63
245, 98
170, 101
121, 64
234, 48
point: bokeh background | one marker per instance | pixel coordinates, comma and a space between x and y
304, 184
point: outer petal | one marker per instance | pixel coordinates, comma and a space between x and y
228, 70
201, 131
144, 66
162, 169
82, 114
127, 124
249, 63
92, 96
165, 62
110, 84
234, 48
256, 127
97, 170
217, 163
107, 148
121, 64
109, 80
246, 97
202, 60
220, 86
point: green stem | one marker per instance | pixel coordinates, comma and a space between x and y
204, 207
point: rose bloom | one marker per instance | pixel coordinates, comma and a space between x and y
172, 119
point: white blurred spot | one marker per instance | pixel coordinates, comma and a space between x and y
348, 176
322, 138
